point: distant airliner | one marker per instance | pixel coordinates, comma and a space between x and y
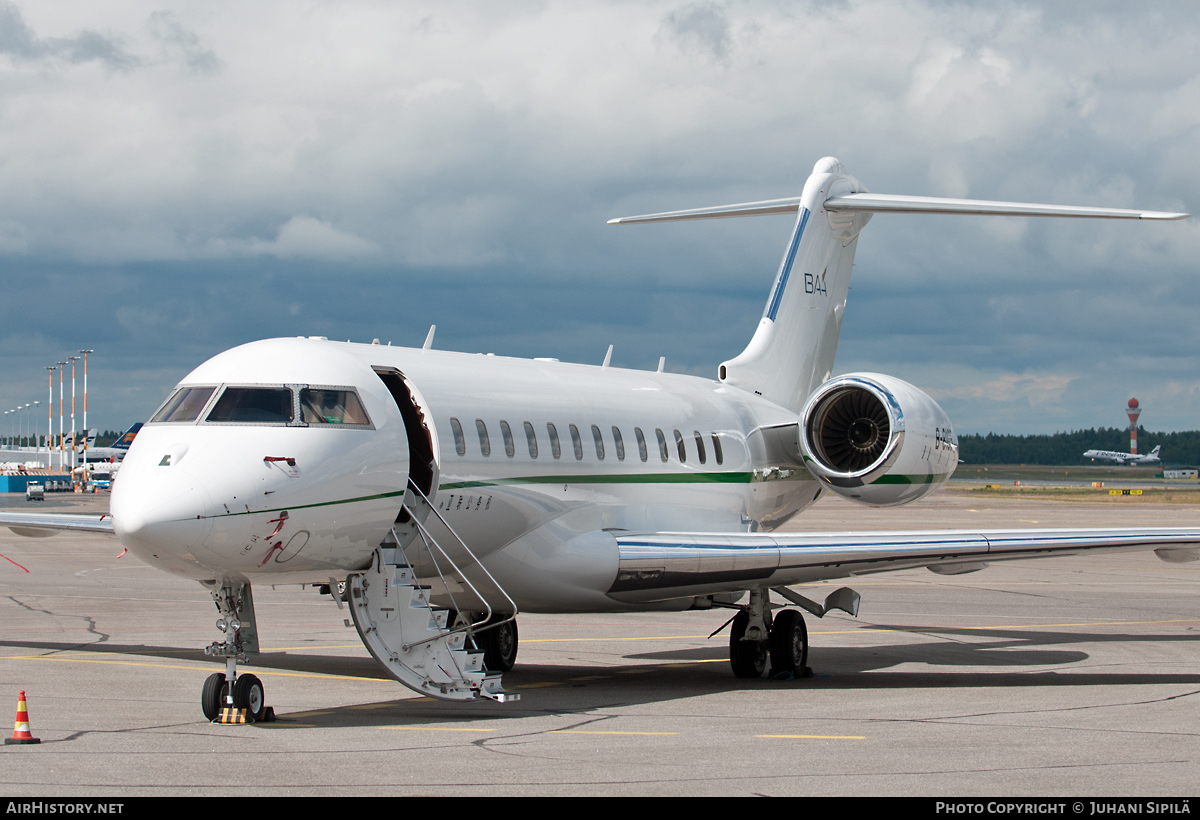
1124, 459
441, 490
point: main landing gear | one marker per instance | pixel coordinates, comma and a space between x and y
241, 695
754, 635
498, 643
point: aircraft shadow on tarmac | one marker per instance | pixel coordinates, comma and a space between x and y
697, 671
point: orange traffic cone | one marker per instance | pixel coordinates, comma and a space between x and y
21, 733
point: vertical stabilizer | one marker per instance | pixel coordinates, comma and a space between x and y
792, 350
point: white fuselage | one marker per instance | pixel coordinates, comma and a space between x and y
216, 500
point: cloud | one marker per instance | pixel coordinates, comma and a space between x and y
1035, 389
20, 42
301, 237
700, 28
465, 157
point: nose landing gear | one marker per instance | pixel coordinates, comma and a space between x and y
226, 697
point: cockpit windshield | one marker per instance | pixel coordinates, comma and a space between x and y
265, 404
262, 405
184, 405
320, 406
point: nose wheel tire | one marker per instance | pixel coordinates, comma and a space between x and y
499, 646
212, 695
248, 695
789, 644
748, 658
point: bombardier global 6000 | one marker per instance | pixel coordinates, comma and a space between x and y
438, 494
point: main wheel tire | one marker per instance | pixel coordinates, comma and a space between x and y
789, 643
248, 695
212, 695
499, 645
748, 658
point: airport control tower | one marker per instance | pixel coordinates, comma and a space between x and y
1133, 411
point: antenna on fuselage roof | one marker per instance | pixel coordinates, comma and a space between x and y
662, 363
607, 356
428, 338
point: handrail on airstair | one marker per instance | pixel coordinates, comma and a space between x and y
428, 539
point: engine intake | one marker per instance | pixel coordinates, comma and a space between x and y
876, 439
850, 429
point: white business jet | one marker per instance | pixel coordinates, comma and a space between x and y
1123, 459
447, 491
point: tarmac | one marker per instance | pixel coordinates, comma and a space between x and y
1075, 676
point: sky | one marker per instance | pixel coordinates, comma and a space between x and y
180, 178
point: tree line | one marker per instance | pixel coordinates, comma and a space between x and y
1067, 448
104, 439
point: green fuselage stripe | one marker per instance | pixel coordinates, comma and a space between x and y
641, 478
308, 506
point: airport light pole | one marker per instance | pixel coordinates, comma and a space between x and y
62, 457
85, 427
50, 420
73, 359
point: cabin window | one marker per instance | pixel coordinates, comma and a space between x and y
700, 454
577, 442
680, 445
510, 448
643, 453
460, 441
662, 445
531, 438
253, 405
485, 445
619, 443
320, 406
185, 404
555, 446
599, 439
717, 449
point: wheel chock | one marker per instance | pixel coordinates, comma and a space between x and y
232, 715
21, 733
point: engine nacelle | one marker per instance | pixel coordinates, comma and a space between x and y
877, 440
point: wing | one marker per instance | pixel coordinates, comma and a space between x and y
658, 566
40, 525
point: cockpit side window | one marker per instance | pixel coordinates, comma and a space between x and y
328, 406
184, 405
255, 405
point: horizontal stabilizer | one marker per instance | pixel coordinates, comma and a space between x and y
896, 204
790, 205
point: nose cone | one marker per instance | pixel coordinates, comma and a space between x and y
160, 511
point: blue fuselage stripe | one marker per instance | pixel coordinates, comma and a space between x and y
786, 270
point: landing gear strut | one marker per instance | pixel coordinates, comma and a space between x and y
221, 690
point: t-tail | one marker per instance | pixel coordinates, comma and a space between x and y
793, 349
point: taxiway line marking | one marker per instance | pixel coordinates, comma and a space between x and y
434, 729
820, 737
582, 732
873, 629
262, 672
